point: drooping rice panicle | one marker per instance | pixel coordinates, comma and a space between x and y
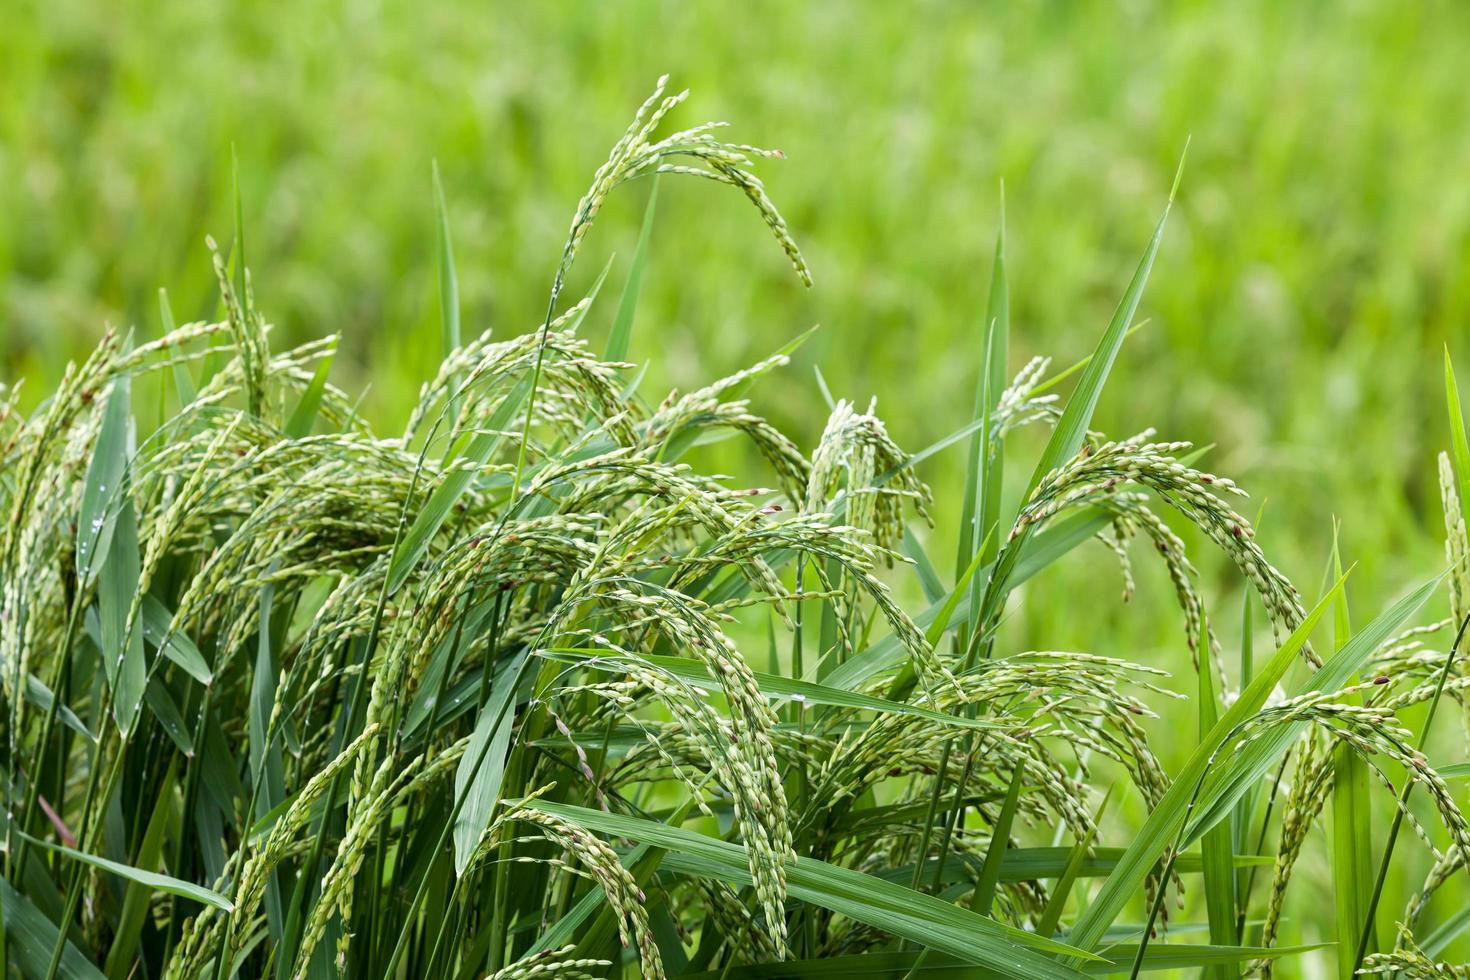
562, 738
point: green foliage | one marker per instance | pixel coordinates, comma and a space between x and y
476, 699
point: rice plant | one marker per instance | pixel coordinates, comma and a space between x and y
523, 691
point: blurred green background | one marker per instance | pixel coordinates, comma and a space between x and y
1313, 269
1311, 273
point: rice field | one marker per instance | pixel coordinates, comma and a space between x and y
416, 592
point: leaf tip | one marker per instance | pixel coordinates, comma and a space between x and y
1179, 171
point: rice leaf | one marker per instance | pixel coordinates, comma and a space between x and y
1458, 442
31, 937
303, 416
183, 381
170, 719
102, 487
773, 686
482, 767
149, 879
1241, 819
237, 253
41, 696
924, 569
622, 329
999, 854
1159, 831
982, 472
1352, 815
468, 454
1051, 916
449, 338
1040, 551
416, 540
137, 898
1062, 375
124, 658
1225, 785
940, 625
157, 628
1071, 428
1216, 845
267, 768
890, 963
911, 915
1445, 933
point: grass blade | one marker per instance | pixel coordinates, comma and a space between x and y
1159, 830
149, 879
1217, 845
1051, 916
999, 850
773, 686
183, 381
449, 337
942, 967
266, 766
1403, 799
41, 696
123, 654
476, 452
484, 763
1245, 809
303, 416
170, 719
138, 896
1071, 428
924, 569
174, 644
997, 359
981, 495
912, 915
32, 936
1247, 767
101, 488
1352, 815
436, 509
622, 329
1458, 442
940, 626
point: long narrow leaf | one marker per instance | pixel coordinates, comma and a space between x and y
864, 898
482, 767
888, 963
1216, 846
101, 489
31, 937
449, 339
1040, 551
416, 540
1352, 828
150, 879
123, 653
1071, 428
157, 627
303, 416
1163, 823
1249, 766
622, 329
1458, 441
772, 686
997, 854
1051, 916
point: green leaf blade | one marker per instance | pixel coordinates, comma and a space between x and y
911, 915
620, 338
